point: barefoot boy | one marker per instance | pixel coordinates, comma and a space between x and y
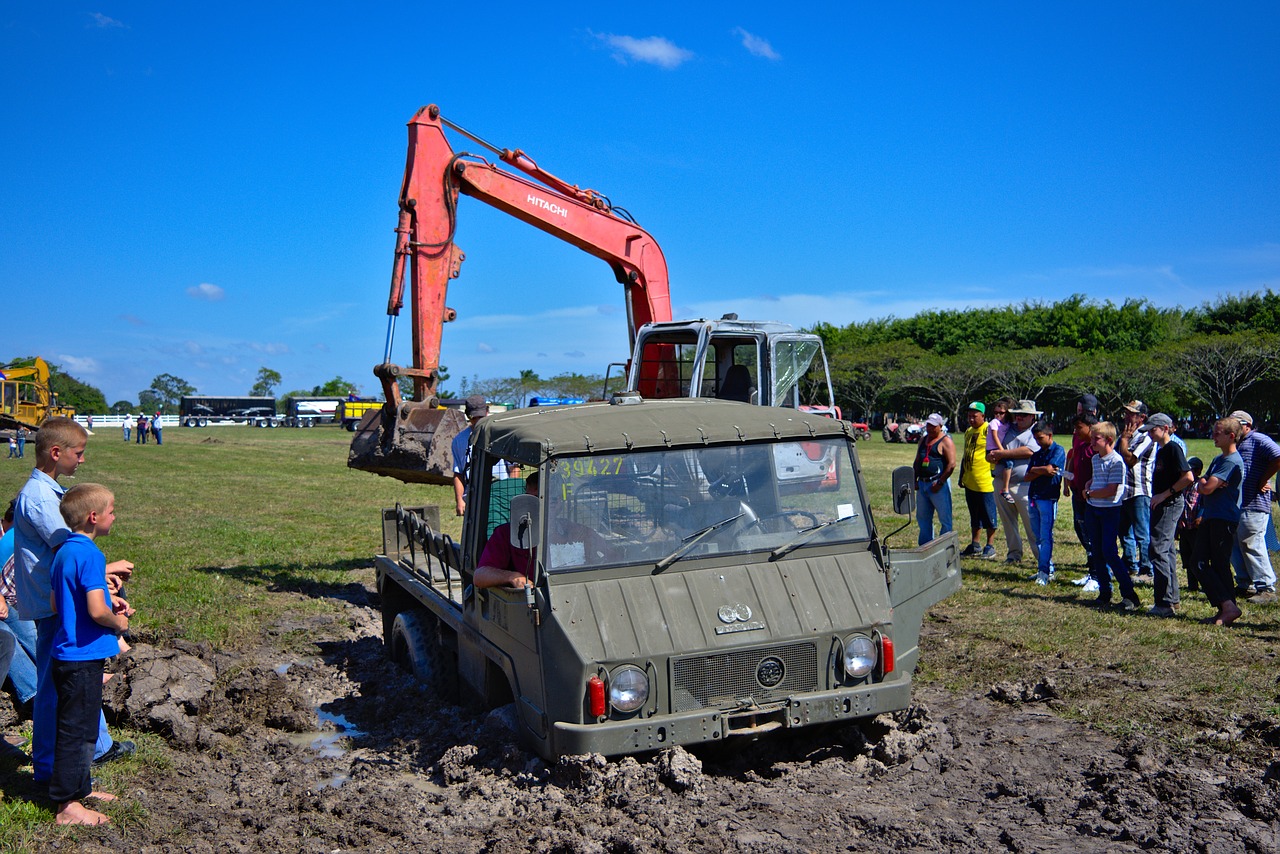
39, 529
87, 622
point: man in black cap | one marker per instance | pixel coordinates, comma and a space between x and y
1139, 453
476, 408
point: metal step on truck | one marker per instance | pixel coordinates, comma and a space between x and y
678, 571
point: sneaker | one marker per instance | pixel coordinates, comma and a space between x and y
1161, 611
1265, 596
1102, 602
1144, 579
970, 550
1129, 605
119, 750
989, 553
1042, 579
1013, 559
1090, 586
1082, 580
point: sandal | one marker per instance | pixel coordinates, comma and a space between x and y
1008, 496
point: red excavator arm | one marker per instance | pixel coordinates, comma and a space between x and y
411, 441
435, 174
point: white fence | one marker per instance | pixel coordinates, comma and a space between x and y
118, 420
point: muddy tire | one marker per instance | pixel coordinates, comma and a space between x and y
416, 646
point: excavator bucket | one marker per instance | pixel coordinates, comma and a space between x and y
411, 442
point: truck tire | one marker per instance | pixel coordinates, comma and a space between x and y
416, 646
203, 422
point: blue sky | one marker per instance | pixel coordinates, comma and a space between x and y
205, 190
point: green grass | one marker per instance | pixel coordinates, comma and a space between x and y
217, 518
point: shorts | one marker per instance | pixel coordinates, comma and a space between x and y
982, 509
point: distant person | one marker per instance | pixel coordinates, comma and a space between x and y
935, 461
155, 429
124, 426
21, 671
1018, 448
88, 622
23, 433
1139, 452
1079, 471
1170, 479
89, 423
476, 408
1044, 474
141, 438
40, 531
1260, 456
975, 478
13, 448
1219, 515
1105, 493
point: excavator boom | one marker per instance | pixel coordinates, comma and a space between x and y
410, 441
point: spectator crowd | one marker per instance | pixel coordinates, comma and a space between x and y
1140, 505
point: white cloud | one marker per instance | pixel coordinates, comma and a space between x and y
575, 354
80, 365
755, 45
652, 49
102, 22
271, 348
206, 291
482, 347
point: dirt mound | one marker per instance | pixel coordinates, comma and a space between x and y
342, 751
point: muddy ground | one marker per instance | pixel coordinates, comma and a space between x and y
341, 751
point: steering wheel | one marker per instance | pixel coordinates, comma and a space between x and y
792, 516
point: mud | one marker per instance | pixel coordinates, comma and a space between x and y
341, 751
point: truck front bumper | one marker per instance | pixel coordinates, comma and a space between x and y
632, 735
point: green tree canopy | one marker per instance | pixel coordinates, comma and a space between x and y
265, 384
164, 394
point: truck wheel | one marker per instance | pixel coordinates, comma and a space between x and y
203, 422
416, 646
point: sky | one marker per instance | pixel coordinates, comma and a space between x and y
207, 189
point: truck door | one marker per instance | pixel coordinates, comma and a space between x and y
919, 579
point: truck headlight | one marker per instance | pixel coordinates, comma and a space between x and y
859, 656
628, 688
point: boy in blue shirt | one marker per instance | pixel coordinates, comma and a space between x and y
87, 624
1044, 474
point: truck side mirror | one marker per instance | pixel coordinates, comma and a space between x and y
904, 494
524, 521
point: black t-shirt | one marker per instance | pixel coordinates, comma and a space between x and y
1171, 462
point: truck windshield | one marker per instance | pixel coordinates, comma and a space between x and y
644, 507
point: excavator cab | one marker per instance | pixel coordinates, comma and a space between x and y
765, 363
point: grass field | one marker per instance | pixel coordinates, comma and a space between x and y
217, 519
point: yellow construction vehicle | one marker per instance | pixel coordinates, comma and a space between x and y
25, 398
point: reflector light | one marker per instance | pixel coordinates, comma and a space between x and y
886, 653
595, 696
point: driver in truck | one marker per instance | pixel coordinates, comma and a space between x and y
503, 565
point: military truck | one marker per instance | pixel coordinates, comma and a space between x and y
698, 570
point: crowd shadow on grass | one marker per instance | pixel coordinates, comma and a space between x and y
291, 578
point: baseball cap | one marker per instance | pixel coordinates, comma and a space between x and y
1242, 416
1136, 406
477, 407
1157, 420
936, 420
979, 406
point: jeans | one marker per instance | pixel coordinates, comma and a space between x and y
79, 689
1164, 564
44, 715
1105, 533
1213, 559
1010, 514
927, 503
1135, 528
1251, 535
1080, 511
22, 670
1043, 513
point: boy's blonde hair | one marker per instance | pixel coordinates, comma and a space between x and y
58, 432
1232, 426
81, 500
1104, 428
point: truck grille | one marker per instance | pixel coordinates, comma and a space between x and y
732, 678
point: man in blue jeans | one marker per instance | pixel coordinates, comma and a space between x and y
1139, 454
935, 461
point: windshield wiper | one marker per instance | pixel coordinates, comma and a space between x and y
690, 542
805, 535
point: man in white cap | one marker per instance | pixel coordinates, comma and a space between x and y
476, 408
935, 460
1261, 457
1139, 453
1018, 449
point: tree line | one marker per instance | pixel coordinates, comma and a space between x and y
1199, 363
